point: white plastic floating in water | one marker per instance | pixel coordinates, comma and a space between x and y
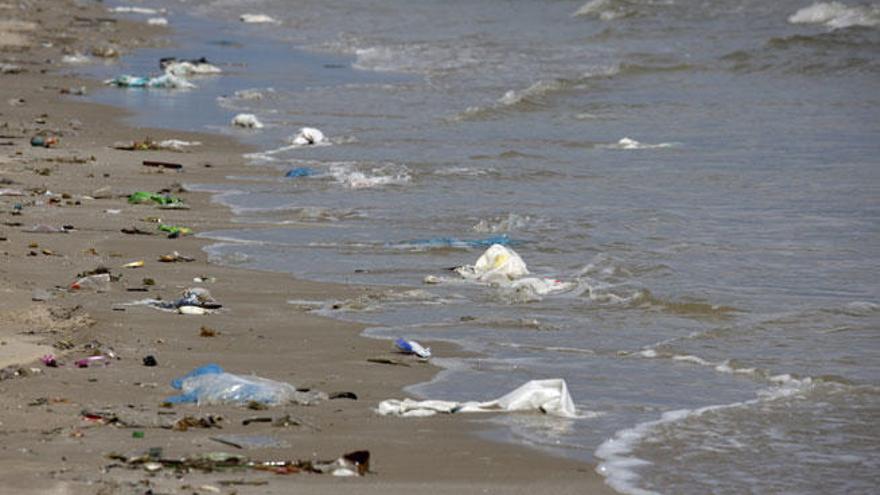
258, 19
547, 396
308, 136
496, 263
157, 21
187, 68
248, 120
167, 81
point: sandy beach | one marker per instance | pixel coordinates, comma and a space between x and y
49, 443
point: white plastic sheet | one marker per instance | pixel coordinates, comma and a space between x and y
547, 396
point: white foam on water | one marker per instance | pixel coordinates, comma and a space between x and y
619, 466
352, 178
606, 10
631, 144
837, 15
502, 224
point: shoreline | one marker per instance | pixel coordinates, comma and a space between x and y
48, 446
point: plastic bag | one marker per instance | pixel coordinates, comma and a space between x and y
547, 396
209, 384
247, 120
307, 136
498, 263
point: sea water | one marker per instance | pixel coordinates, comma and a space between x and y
703, 174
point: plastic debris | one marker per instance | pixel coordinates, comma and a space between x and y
300, 172
247, 120
44, 141
257, 19
135, 10
76, 58
141, 197
134, 264
150, 360
175, 230
48, 229
413, 347
165, 81
547, 396
496, 263
150, 145
209, 384
84, 363
198, 66
174, 257
351, 464
308, 136
49, 360
157, 21
99, 282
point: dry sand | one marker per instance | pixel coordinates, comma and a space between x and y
46, 445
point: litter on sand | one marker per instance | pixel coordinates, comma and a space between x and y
247, 120
546, 396
355, 463
412, 347
150, 145
210, 384
141, 197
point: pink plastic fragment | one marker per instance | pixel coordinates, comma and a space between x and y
84, 363
49, 360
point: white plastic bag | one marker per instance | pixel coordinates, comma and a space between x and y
547, 396
496, 264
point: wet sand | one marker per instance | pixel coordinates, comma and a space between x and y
46, 443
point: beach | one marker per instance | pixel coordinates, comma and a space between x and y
49, 444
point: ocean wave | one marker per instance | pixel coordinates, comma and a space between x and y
506, 224
620, 464
838, 15
606, 10
833, 52
533, 97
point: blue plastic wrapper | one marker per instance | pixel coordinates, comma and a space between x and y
300, 172
209, 384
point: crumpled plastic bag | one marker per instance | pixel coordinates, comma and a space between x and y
498, 263
210, 384
547, 396
247, 120
167, 81
308, 136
